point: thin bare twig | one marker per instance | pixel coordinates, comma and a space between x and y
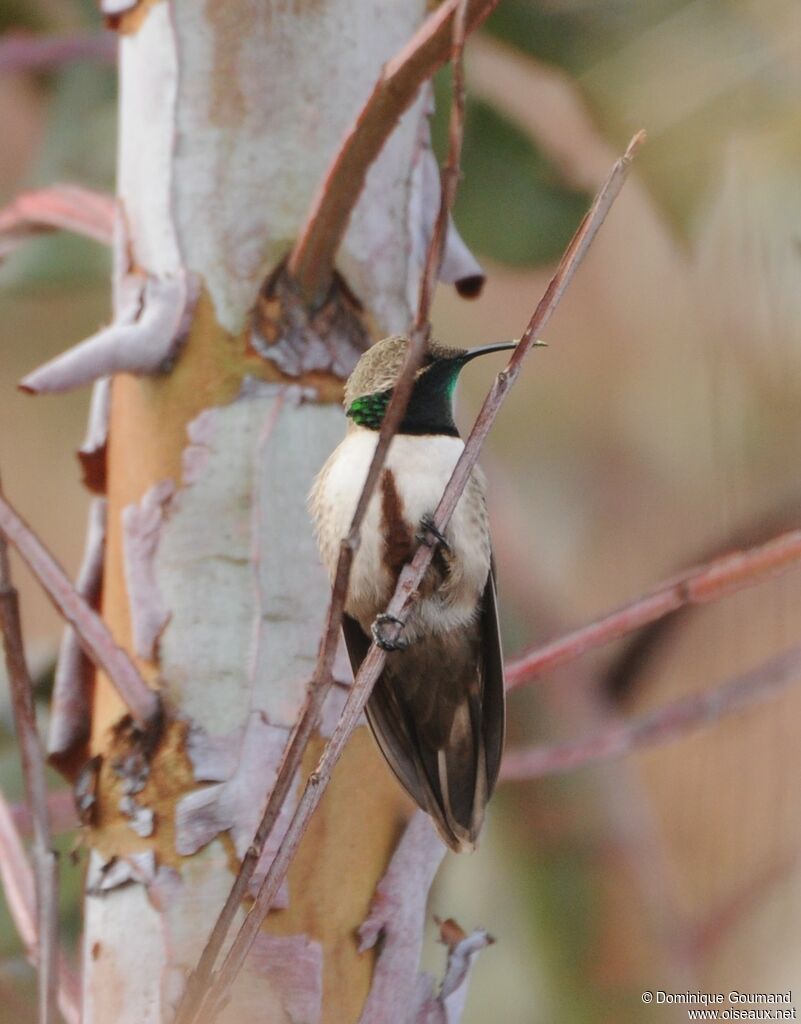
57, 208
20, 51
61, 805
700, 585
661, 726
312, 258
701, 938
322, 678
94, 635
18, 884
405, 591
33, 774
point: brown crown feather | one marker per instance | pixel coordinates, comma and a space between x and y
380, 366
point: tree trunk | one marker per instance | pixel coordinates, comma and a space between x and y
229, 115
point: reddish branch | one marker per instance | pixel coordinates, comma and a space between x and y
22, 52
710, 582
33, 774
312, 258
406, 588
61, 806
198, 1000
660, 726
18, 886
57, 208
94, 635
721, 922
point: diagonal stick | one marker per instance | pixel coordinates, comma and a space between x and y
312, 258
33, 774
703, 584
93, 633
665, 724
17, 880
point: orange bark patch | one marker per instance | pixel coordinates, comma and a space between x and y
132, 20
343, 856
170, 777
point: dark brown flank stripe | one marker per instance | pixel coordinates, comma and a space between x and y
398, 541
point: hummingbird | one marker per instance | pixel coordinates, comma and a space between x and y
437, 711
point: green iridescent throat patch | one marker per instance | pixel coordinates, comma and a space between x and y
368, 411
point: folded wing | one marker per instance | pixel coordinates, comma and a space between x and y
437, 713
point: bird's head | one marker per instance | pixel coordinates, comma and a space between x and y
430, 409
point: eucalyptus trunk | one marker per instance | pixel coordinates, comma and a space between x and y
229, 115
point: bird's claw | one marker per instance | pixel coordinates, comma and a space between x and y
383, 641
428, 529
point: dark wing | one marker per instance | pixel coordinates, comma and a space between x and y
384, 714
494, 690
437, 713
356, 642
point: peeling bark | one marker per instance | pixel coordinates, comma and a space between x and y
293, 968
141, 526
70, 710
329, 338
397, 920
228, 120
400, 994
244, 766
145, 338
459, 266
447, 1006
92, 453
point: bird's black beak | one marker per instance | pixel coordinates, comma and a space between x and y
483, 350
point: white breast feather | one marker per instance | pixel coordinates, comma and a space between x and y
421, 467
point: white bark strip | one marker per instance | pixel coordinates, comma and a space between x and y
459, 266
148, 79
226, 539
117, 6
141, 526
448, 1005
397, 919
70, 711
246, 766
223, 536
245, 167
94, 443
123, 965
399, 993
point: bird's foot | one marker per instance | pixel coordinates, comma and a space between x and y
383, 641
428, 529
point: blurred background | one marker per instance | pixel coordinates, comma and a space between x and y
662, 426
